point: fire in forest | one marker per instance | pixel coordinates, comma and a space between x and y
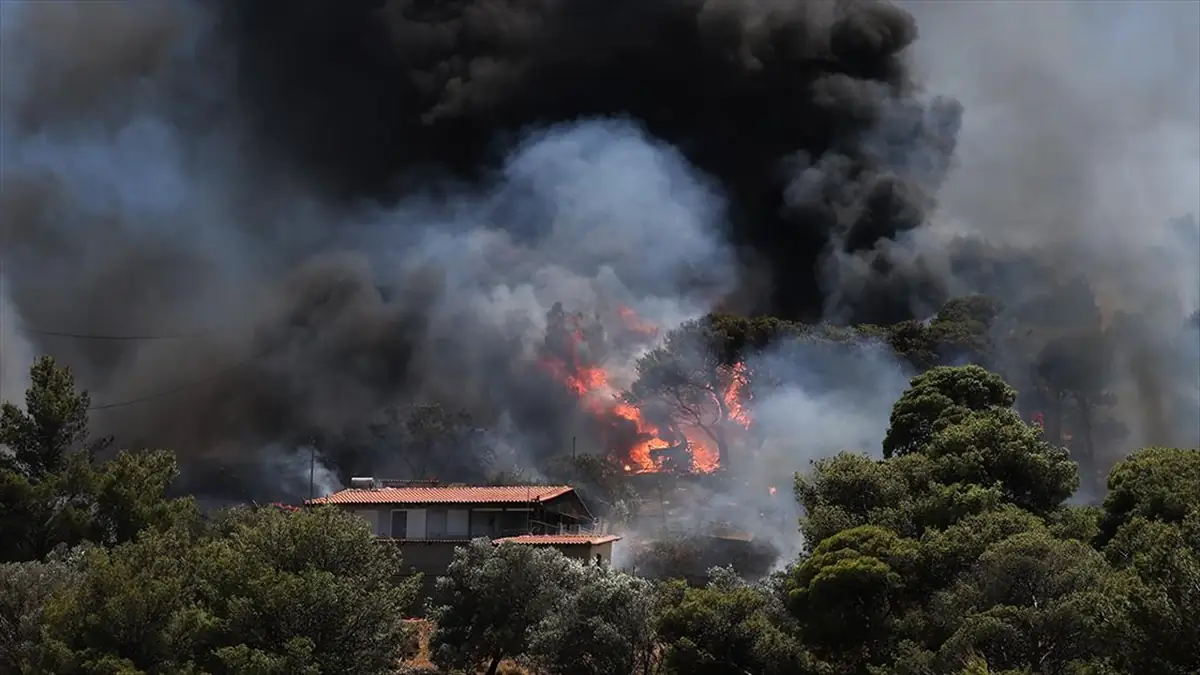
1059, 436
574, 353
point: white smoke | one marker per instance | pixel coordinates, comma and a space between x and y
593, 214
1080, 143
16, 355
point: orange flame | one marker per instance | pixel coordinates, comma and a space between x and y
635, 324
733, 396
598, 396
639, 454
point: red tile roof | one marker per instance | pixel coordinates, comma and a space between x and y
559, 539
447, 494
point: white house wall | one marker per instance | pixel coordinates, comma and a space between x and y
380, 520
372, 516
458, 521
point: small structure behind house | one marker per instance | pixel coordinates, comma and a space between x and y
428, 520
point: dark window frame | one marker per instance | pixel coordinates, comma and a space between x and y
392, 524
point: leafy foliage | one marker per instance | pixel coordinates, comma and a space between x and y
265, 591
940, 398
1151, 529
53, 423
723, 628
1032, 599
954, 554
846, 594
996, 448
106, 504
496, 594
1160, 484
604, 626
25, 588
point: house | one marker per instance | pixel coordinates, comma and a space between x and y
429, 520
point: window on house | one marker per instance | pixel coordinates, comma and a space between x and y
458, 523
435, 523
400, 524
514, 522
485, 523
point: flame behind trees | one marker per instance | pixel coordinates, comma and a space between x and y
686, 384
681, 407
572, 353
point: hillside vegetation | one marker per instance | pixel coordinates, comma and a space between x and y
956, 552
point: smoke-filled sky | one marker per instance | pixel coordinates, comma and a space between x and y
331, 208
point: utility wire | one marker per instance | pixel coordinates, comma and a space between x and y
171, 392
138, 338
119, 338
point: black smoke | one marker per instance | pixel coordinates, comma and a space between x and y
806, 113
339, 209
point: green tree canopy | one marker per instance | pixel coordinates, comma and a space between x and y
106, 504
723, 628
605, 626
966, 453
261, 590
1151, 529
996, 447
52, 496
848, 593
495, 595
25, 587
939, 398
53, 423
1160, 484
1034, 602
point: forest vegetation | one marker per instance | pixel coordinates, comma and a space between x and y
954, 548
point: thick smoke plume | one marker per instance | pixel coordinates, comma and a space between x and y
804, 112
289, 218
332, 210
1079, 154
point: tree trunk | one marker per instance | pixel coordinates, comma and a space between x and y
1053, 419
1087, 459
723, 448
495, 664
717, 432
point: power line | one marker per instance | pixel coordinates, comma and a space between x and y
136, 338
114, 338
171, 392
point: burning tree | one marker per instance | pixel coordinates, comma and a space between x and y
697, 396
1078, 369
572, 349
677, 412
